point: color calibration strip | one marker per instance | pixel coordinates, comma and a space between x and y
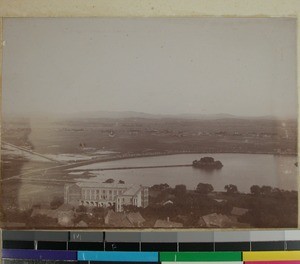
274, 257
229, 247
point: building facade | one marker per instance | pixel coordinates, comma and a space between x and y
95, 194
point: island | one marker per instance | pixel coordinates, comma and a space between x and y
207, 163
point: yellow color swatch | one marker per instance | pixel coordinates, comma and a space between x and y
271, 255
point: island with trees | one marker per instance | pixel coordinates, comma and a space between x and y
208, 163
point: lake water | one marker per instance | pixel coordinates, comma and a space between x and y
242, 170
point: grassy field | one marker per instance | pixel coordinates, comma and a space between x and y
142, 135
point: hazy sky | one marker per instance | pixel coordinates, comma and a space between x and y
214, 65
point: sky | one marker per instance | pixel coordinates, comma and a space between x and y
243, 67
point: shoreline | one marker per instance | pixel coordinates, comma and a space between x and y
140, 155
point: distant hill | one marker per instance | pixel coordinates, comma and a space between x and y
115, 114
141, 115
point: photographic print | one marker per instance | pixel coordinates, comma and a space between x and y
161, 123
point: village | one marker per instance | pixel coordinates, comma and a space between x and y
161, 206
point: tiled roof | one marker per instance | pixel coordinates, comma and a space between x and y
217, 220
135, 218
114, 219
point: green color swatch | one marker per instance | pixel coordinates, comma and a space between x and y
201, 256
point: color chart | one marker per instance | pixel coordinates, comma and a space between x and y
231, 247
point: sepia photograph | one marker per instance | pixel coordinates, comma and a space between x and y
149, 123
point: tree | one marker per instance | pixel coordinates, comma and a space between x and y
109, 181
160, 187
56, 202
180, 190
266, 190
255, 189
230, 188
204, 188
81, 209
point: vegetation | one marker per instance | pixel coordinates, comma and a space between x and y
81, 209
56, 202
230, 188
267, 207
204, 188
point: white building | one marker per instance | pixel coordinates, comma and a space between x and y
96, 194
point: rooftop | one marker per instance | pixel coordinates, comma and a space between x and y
96, 184
132, 191
135, 218
217, 220
114, 219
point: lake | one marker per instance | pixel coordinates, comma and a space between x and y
242, 170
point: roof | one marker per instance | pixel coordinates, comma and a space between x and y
135, 218
132, 191
93, 184
239, 211
220, 200
167, 224
217, 220
113, 219
201, 222
168, 202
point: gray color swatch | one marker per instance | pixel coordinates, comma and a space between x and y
232, 236
51, 236
195, 236
122, 236
159, 237
86, 236
18, 235
267, 235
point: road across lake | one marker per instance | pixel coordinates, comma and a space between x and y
136, 167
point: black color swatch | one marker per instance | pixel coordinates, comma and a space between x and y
196, 247
270, 245
10, 244
122, 246
232, 246
292, 245
51, 245
93, 246
160, 247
